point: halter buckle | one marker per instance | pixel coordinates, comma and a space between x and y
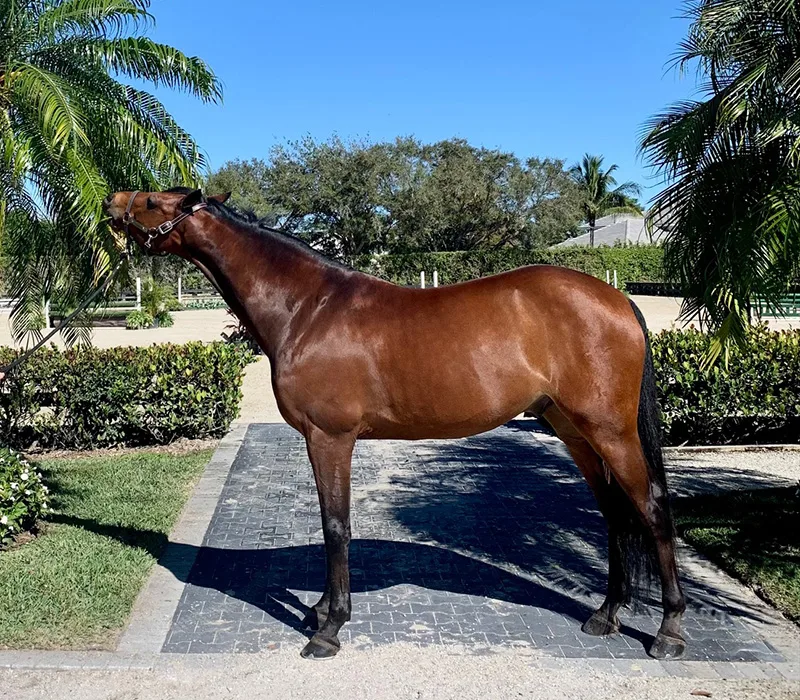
166, 227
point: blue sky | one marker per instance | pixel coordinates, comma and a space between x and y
536, 78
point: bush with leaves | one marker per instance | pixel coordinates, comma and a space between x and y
755, 398
88, 398
205, 304
239, 334
137, 320
632, 263
23, 496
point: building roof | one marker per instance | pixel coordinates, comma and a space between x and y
619, 230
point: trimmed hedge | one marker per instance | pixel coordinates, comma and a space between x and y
632, 263
89, 398
754, 399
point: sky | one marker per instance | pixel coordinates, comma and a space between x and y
537, 78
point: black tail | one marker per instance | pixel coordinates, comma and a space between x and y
634, 539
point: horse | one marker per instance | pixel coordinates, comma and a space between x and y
354, 357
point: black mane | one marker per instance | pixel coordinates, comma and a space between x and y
252, 223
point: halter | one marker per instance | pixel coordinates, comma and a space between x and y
128, 220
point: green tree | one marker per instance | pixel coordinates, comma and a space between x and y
246, 180
329, 194
731, 163
600, 193
460, 197
356, 198
71, 131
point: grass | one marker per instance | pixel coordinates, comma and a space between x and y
754, 535
74, 585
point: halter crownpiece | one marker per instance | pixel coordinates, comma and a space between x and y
128, 220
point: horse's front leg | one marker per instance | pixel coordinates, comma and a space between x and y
331, 456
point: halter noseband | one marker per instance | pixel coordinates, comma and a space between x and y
128, 220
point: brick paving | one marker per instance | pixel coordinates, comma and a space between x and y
487, 542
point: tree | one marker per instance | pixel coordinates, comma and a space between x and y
71, 131
329, 194
460, 197
247, 181
355, 198
731, 163
600, 196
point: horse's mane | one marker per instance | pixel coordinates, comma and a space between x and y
249, 221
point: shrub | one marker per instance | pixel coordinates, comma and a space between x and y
88, 398
206, 304
23, 496
633, 263
240, 335
755, 398
137, 320
157, 298
163, 319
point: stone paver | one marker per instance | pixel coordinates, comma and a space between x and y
489, 542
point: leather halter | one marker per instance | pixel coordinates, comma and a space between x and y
128, 220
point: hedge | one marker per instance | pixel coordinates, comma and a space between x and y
754, 399
89, 398
632, 263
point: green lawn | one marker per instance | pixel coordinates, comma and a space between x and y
75, 584
754, 535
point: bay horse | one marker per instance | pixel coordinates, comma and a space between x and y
355, 357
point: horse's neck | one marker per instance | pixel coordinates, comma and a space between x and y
264, 279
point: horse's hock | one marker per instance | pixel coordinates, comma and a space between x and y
488, 542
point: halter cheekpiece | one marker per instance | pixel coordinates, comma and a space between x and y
128, 220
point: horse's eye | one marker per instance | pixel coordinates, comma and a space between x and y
150, 203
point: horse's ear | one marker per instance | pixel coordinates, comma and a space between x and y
191, 199
220, 198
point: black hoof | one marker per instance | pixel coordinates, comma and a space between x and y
599, 625
667, 647
321, 648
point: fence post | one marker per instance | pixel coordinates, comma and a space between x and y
180, 289
615, 280
608, 277
138, 293
422, 280
47, 323
435, 278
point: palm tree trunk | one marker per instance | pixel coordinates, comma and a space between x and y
591, 235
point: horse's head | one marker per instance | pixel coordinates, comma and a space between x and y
153, 219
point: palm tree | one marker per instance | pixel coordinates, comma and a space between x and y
601, 194
731, 163
71, 130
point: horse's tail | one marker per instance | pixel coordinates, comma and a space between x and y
635, 540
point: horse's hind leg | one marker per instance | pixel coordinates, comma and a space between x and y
637, 510
604, 621
331, 460
651, 501
623, 453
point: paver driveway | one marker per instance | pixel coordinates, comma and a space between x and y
490, 541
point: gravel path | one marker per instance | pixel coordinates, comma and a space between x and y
397, 672
700, 471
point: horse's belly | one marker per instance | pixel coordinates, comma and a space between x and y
445, 406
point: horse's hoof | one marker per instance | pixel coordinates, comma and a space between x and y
600, 625
321, 648
667, 647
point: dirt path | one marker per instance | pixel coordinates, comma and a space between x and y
393, 672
